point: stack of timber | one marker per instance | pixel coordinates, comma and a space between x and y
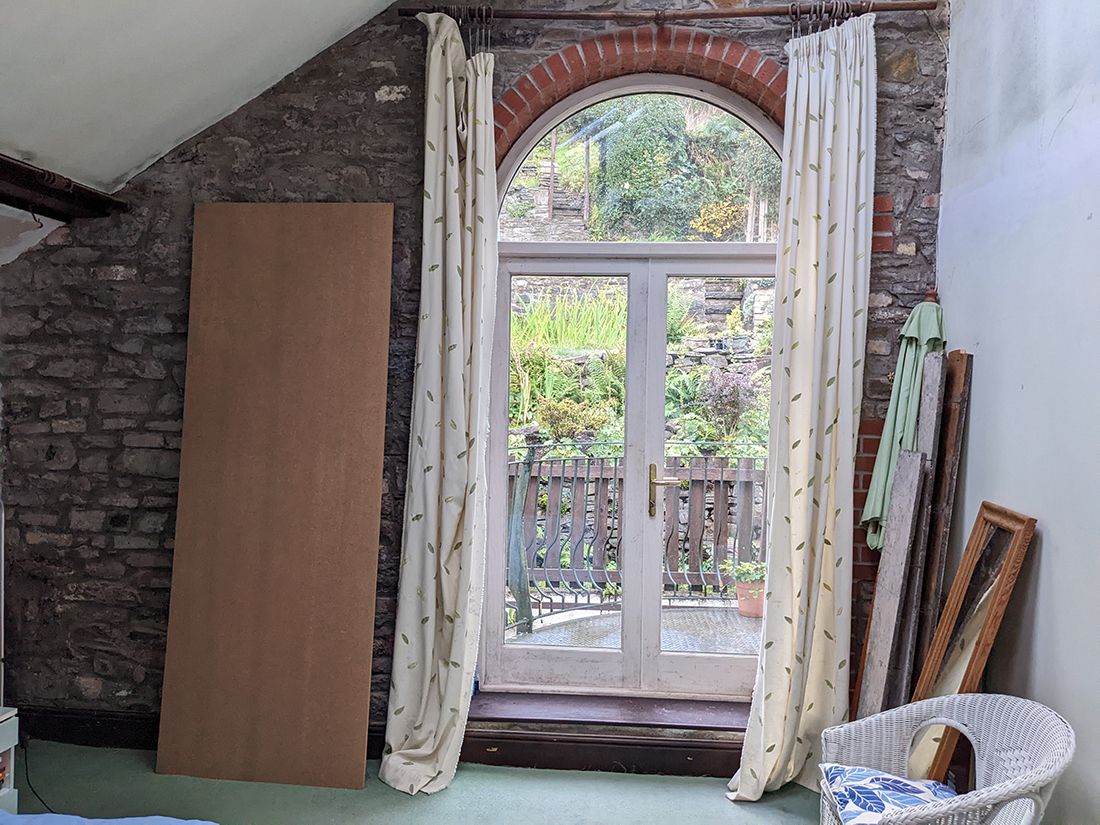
908, 597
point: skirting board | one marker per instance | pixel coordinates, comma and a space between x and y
120, 729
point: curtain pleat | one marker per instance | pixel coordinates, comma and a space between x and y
443, 545
821, 291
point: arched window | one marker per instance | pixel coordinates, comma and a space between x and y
631, 392
645, 167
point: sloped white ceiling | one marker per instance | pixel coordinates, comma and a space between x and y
99, 89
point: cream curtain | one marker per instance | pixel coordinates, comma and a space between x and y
817, 382
443, 552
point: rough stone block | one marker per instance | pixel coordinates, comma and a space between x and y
88, 520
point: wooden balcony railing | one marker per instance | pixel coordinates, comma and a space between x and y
565, 547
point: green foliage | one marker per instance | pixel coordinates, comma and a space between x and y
661, 168
735, 326
752, 428
568, 379
607, 380
645, 188
565, 418
681, 391
534, 375
735, 159
721, 220
747, 572
725, 396
520, 209
680, 324
572, 321
570, 165
762, 338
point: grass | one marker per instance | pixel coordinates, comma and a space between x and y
578, 322
571, 322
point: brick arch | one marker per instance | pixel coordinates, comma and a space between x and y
673, 50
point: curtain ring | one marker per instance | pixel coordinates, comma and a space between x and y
795, 11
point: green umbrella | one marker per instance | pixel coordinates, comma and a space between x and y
923, 333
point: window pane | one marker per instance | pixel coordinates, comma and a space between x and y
566, 397
646, 167
717, 392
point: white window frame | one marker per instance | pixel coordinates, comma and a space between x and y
635, 84
639, 667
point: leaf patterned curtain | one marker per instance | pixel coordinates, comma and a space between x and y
443, 548
821, 291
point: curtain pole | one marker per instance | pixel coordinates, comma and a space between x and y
660, 16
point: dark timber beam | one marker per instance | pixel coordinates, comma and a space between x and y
51, 195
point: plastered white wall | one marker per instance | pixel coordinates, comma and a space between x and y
1019, 275
99, 89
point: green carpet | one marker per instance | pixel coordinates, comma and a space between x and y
96, 782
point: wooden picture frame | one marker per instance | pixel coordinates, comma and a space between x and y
972, 615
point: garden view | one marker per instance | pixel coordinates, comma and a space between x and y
646, 167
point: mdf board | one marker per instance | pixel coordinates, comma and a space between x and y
272, 612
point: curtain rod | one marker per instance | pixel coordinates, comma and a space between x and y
660, 16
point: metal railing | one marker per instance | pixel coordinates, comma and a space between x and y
565, 547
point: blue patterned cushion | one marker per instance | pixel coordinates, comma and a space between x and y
863, 795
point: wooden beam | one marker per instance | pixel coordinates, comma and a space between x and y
46, 193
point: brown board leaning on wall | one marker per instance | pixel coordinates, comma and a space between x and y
272, 613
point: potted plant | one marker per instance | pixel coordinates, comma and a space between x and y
748, 577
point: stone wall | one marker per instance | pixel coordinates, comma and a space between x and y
95, 332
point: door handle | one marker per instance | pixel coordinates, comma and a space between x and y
654, 483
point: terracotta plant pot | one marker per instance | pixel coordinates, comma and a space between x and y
750, 599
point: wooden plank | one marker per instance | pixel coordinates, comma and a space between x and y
959, 369
928, 432
602, 511
672, 518
518, 562
697, 520
745, 490
582, 471
901, 522
531, 514
617, 519
273, 575
721, 519
554, 523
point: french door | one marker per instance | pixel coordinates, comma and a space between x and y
615, 522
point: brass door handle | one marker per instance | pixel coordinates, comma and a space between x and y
654, 483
